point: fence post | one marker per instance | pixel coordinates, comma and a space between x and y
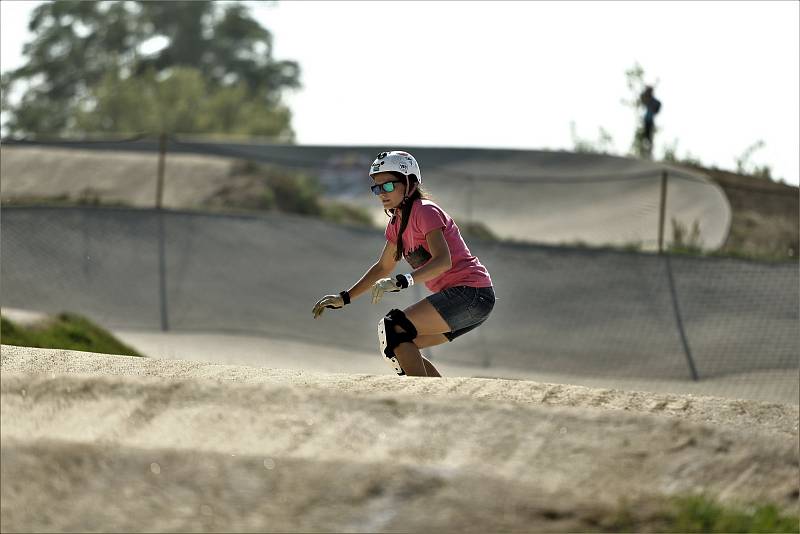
162, 152
671, 280
162, 263
662, 211
679, 321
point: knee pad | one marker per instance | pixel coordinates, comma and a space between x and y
388, 339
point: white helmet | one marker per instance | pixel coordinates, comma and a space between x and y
397, 161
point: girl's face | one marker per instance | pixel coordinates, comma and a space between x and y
390, 200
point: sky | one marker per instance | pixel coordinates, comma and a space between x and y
518, 74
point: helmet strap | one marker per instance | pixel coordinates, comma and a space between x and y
407, 196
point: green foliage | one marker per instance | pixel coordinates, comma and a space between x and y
671, 156
697, 513
341, 213
292, 192
178, 101
634, 80
83, 52
685, 240
603, 145
744, 165
774, 254
701, 514
66, 331
477, 230
295, 192
633, 246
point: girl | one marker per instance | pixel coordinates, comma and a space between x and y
431, 243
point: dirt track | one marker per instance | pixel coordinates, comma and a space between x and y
92, 442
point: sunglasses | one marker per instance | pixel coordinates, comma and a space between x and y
387, 187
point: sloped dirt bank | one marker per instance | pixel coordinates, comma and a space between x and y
265, 450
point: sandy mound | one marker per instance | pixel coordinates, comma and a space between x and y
767, 416
93, 442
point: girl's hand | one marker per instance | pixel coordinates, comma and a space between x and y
383, 285
328, 301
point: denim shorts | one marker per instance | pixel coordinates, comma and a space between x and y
463, 308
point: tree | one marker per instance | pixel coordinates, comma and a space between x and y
83, 49
182, 102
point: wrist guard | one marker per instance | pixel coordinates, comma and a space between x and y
404, 280
345, 297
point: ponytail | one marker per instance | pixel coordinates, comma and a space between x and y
408, 203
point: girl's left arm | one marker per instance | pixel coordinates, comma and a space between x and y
440, 261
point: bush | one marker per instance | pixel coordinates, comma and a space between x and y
291, 191
477, 230
295, 193
282, 189
346, 214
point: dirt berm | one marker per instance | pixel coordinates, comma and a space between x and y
99, 443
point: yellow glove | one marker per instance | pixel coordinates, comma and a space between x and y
331, 301
401, 281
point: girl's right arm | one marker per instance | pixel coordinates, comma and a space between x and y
380, 269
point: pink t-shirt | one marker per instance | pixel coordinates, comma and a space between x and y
427, 216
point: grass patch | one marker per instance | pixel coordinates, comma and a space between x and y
699, 513
341, 213
65, 331
292, 191
477, 230
83, 198
776, 257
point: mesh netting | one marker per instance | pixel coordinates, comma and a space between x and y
561, 310
564, 310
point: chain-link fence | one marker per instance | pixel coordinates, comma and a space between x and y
563, 310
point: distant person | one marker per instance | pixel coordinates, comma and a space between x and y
651, 108
431, 243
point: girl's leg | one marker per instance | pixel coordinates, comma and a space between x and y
430, 370
413, 362
428, 323
431, 340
